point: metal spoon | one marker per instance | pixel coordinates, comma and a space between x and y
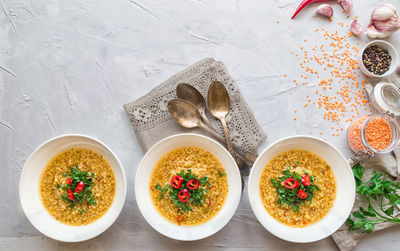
192, 95
219, 105
186, 114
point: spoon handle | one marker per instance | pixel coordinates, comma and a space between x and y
227, 138
208, 123
243, 167
250, 157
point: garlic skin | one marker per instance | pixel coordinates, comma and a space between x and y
347, 6
373, 33
356, 28
398, 69
325, 10
382, 13
384, 21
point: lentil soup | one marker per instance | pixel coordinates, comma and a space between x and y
297, 162
188, 186
77, 186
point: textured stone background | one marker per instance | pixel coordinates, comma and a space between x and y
77, 62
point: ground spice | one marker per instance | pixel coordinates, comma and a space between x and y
377, 133
376, 60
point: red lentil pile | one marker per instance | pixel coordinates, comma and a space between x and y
378, 134
338, 89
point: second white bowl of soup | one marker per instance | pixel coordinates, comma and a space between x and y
187, 187
301, 189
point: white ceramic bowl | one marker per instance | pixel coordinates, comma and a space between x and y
392, 52
344, 197
150, 213
30, 196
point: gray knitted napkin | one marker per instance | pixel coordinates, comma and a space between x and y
388, 163
152, 122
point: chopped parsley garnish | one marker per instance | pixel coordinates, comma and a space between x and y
185, 190
294, 189
221, 174
78, 188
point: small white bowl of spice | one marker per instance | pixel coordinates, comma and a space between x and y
378, 59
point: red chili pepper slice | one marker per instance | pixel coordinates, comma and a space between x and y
69, 181
183, 195
193, 184
302, 195
305, 3
79, 187
305, 179
291, 183
70, 195
177, 181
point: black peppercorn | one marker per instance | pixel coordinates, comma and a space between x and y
376, 60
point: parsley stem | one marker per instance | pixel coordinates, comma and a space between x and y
376, 212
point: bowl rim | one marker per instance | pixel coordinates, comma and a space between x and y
252, 180
123, 188
394, 62
140, 166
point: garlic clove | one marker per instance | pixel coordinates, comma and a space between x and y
373, 33
390, 6
392, 24
347, 6
325, 10
382, 13
356, 28
384, 21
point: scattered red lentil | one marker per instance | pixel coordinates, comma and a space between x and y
337, 60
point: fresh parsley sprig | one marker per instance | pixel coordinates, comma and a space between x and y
382, 197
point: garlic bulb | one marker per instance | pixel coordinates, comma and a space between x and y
356, 28
347, 6
382, 13
325, 10
384, 21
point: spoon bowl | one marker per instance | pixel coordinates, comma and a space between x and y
219, 103
184, 113
192, 95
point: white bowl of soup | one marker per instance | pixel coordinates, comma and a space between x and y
72, 188
187, 187
301, 189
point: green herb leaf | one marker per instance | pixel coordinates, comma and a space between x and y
382, 197
290, 196
221, 174
77, 176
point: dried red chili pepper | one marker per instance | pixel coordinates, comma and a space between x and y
305, 3
79, 187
